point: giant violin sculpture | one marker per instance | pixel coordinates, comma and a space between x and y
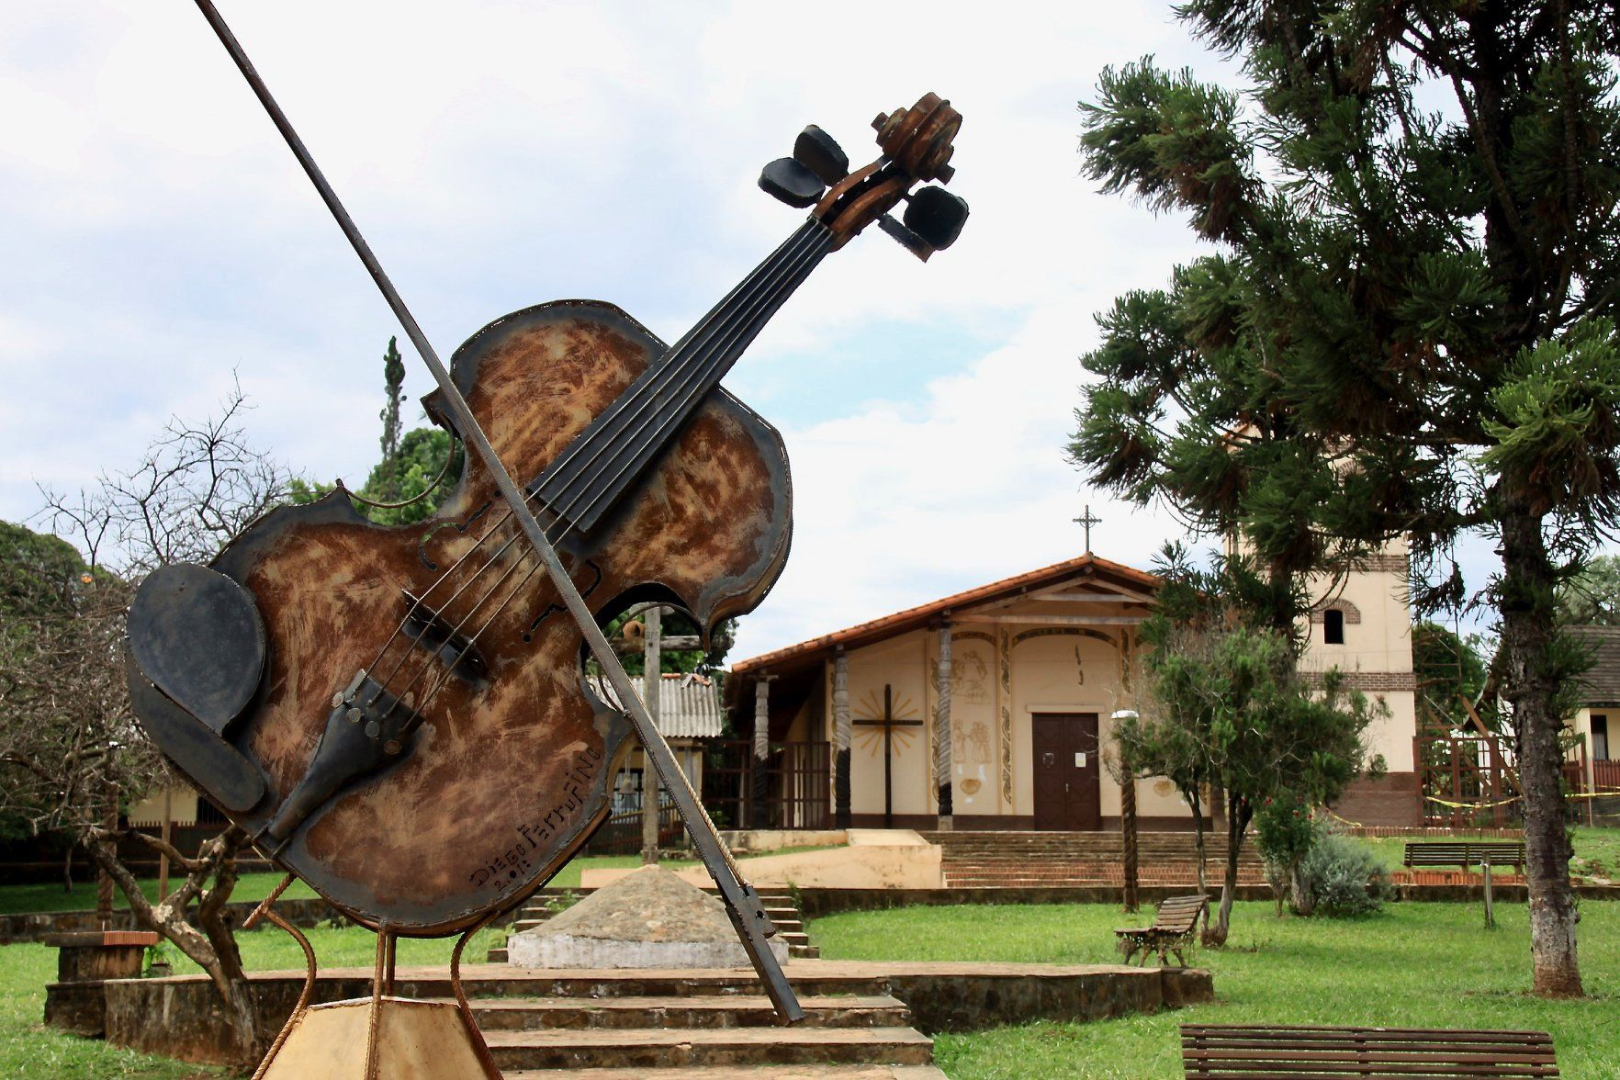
401, 716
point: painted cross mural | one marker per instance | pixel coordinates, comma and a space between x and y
894, 727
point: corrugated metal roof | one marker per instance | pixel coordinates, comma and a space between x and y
688, 705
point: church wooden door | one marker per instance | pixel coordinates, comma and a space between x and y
1068, 775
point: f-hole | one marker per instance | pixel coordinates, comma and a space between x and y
553, 609
460, 527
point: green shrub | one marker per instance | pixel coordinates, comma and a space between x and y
1344, 877
1285, 832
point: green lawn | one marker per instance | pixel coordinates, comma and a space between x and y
50, 896
1597, 850
1415, 964
29, 1051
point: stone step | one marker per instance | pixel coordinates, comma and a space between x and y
797, 949
697, 1012
759, 1072
1065, 881
720, 1047
512, 982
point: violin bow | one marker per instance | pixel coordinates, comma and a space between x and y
743, 903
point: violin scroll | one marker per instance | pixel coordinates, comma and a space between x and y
918, 139
917, 145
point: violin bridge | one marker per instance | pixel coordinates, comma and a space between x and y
439, 636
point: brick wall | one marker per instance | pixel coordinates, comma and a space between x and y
1394, 799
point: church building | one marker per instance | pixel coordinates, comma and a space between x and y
992, 708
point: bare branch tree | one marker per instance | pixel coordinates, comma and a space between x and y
70, 748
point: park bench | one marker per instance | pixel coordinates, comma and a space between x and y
1465, 853
1171, 931
1226, 1052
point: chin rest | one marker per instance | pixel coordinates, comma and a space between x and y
197, 652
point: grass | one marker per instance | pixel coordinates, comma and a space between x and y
30, 1051
1422, 965
1597, 850
50, 896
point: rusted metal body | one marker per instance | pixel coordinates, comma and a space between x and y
424, 805
513, 772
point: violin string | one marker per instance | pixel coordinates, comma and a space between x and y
382, 684
573, 449
697, 385
686, 356
702, 363
449, 669
778, 274
679, 352
689, 386
512, 565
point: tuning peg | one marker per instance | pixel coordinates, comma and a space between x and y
937, 216
905, 237
787, 180
820, 153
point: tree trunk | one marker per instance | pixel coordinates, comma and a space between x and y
1237, 822
1528, 631
1127, 843
228, 976
1203, 869
211, 943
652, 675
1301, 899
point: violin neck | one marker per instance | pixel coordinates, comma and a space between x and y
604, 461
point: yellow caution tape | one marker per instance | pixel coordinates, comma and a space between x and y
1473, 806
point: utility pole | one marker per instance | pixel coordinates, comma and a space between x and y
652, 680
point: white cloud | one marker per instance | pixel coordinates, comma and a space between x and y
158, 237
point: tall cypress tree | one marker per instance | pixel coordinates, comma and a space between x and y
1414, 205
394, 387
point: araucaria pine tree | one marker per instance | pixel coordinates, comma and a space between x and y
1417, 269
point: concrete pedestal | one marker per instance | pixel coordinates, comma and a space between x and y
647, 919
86, 960
416, 1040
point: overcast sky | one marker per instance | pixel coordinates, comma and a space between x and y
157, 240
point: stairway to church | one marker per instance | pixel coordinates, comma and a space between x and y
986, 860
616, 1026
780, 905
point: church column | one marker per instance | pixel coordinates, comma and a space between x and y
759, 813
943, 769
841, 734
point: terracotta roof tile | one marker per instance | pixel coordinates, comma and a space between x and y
902, 622
1602, 682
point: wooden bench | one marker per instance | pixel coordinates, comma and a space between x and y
1466, 853
1172, 930
1217, 1051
